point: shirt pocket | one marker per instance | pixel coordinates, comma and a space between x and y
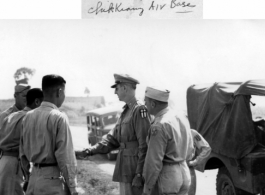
127, 131
129, 160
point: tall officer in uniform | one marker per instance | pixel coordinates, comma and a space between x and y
46, 141
201, 151
169, 146
129, 135
20, 101
10, 173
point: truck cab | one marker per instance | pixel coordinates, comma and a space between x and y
222, 114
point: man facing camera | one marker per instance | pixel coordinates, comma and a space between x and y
129, 136
11, 176
47, 142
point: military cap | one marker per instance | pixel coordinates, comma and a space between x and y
157, 93
21, 87
124, 78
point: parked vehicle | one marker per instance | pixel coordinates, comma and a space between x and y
221, 112
99, 122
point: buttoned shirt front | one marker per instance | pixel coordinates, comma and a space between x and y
11, 130
6, 113
131, 129
169, 142
46, 138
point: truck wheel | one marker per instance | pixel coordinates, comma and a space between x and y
111, 156
225, 185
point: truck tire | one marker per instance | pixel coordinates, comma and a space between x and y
225, 185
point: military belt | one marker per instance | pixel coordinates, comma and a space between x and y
8, 153
40, 165
127, 145
171, 163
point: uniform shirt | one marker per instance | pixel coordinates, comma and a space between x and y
11, 130
169, 141
201, 147
6, 113
132, 126
46, 138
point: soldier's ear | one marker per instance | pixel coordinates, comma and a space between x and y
153, 104
37, 102
124, 88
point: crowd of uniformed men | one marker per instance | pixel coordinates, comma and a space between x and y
155, 156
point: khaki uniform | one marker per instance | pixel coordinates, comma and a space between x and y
129, 135
11, 177
6, 113
46, 140
169, 145
201, 151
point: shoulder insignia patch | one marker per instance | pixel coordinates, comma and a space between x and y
143, 113
153, 131
197, 137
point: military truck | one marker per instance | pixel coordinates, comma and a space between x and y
221, 113
99, 122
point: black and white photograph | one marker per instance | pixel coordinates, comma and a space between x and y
132, 97
121, 107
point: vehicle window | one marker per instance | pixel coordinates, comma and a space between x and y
257, 106
95, 121
110, 119
88, 122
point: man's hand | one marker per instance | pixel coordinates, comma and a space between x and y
138, 181
83, 154
193, 163
25, 186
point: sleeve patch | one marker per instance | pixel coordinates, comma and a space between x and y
197, 137
143, 113
153, 131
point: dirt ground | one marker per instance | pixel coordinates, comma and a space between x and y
95, 174
93, 180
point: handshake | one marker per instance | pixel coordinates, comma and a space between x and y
83, 154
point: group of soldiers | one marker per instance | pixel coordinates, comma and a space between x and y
156, 148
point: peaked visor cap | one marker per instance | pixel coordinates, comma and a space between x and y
157, 94
124, 78
21, 87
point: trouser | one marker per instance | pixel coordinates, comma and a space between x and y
11, 177
192, 190
174, 179
127, 189
47, 181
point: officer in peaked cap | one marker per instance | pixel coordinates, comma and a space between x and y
166, 158
129, 136
124, 78
20, 101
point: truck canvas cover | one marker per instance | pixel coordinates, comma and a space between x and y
221, 113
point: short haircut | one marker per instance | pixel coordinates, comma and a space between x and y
34, 93
157, 102
131, 85
52, 81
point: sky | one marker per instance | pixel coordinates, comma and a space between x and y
172, 54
